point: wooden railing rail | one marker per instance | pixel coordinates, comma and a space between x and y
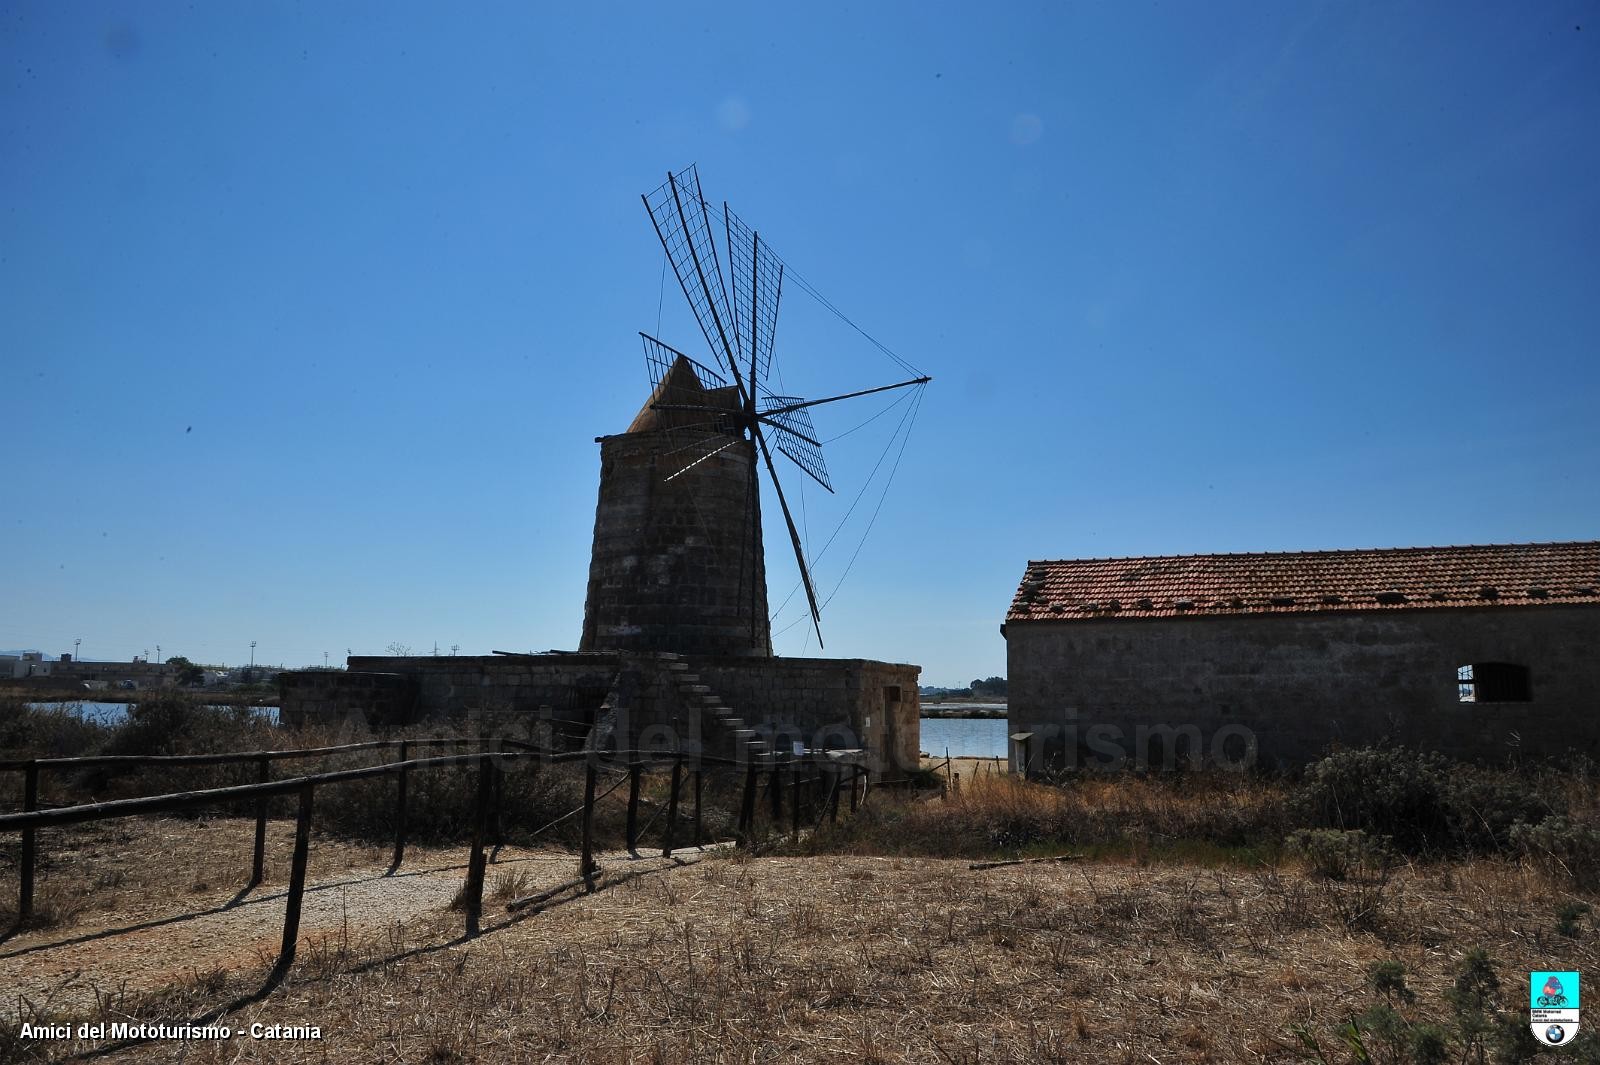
485, 818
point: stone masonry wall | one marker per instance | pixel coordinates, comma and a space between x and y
674, 566
836, 703
825, 702
1300, 683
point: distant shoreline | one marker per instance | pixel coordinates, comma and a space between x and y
213, 697
972, 710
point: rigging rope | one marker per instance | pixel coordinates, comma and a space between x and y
883, 496
661, 296
887, 408
907, 419
806, 286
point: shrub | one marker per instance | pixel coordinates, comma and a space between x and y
1562, 847
1392, 792
1483, 1023
177, 724
49, 731
1339, 855
1483, 807
1425, 803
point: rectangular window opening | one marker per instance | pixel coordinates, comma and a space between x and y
1493, 682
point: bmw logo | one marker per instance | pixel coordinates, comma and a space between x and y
1555, 1033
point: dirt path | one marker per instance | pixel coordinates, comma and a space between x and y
161, 926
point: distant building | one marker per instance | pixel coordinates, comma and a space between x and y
27, 664
1479, 652
139, 673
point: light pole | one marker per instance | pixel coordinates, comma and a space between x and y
324, 660
252, 654
454, 648
75, 643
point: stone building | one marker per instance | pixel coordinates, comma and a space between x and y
1479, 652
675, 651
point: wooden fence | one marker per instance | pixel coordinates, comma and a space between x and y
813, 780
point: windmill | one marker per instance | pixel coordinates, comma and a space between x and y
702, 414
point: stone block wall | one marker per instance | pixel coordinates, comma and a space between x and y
826, 702
629, 699
319, 697
1297, 684
677, 565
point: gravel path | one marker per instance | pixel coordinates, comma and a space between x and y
147, 941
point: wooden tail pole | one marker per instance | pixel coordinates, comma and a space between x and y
30, 802
672, 806
259, 861
777, 794
297, 887
477, 861
400, 809
833, 797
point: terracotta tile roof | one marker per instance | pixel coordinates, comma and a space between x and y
1299, 582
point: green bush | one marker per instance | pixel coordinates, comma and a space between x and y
48, 731
1341, 855
1563, 847
177, 724
1483, 1023
1425, 803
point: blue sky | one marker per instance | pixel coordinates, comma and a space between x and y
310, 313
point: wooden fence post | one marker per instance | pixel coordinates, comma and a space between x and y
297, 887
794, 799
476, 860
833, 797
855, 779
259, 862
498, 801
635, 771
586, 867
30, 802
400, 809
697, 782
747, 808
672, 806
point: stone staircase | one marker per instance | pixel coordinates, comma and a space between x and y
721, 732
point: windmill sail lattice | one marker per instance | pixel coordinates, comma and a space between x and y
737, 312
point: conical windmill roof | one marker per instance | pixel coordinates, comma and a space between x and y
681, 384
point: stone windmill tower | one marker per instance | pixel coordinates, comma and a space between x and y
677, 564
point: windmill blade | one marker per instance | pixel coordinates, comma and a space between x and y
679, 213
794, 435
757, 287
794, 534
660, 358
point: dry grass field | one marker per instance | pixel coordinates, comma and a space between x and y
778, 958
1200, 920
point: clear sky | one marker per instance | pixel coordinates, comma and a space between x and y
310, 313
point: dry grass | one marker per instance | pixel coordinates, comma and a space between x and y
1210, 818
1186, 935
893, 960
